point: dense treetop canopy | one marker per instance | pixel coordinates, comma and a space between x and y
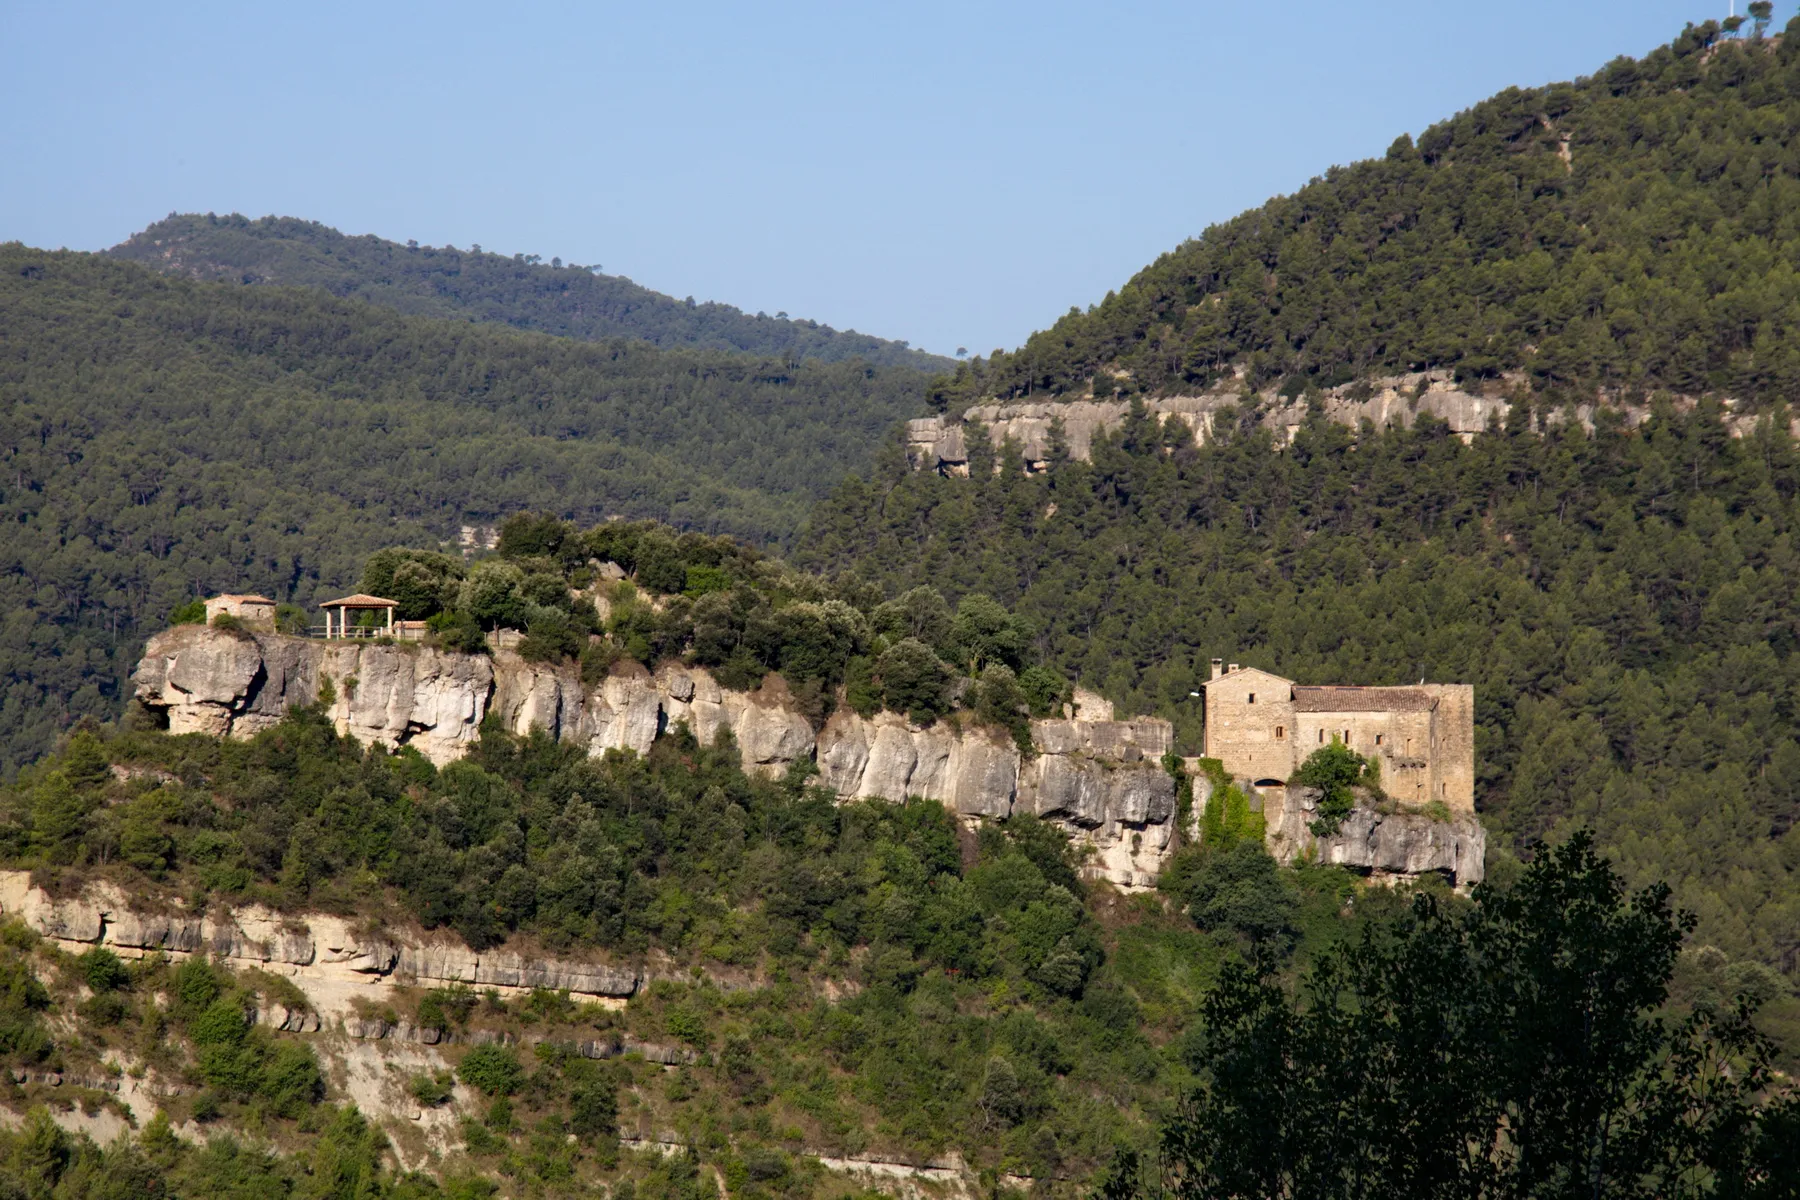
1633, 230
523, 291
715, 603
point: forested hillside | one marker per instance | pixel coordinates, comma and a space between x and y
1623, 602
824, 980
162, 438
523, 291
864, 980
1635, 229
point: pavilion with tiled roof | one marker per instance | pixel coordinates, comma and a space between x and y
360, 602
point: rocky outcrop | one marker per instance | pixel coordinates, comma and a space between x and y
234, 684
291, 1020
1098, 777
1377, 843
231, 684
103, 915
942, 444
1102, 780
939, 443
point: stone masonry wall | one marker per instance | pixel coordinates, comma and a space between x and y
1242, 733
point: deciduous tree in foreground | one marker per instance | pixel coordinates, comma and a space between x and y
1512, 1047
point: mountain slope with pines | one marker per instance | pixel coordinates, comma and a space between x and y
1621, 596
521, 291
1634, 230
164, 438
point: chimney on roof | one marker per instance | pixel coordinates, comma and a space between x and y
1231, 668
1218, 667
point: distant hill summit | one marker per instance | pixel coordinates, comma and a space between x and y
1631, 231
522, 291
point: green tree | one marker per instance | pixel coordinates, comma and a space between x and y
913, 680
1237, 890
1513, 1047
984, 632
422, 581
491, 1070
1335, 769
58, 816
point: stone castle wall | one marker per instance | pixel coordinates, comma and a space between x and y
1454, 728
1241, 732
1262, 727
1402, 742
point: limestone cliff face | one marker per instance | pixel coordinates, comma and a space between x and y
325, 947
937, 443
1380, 844
1101, 779
236, 684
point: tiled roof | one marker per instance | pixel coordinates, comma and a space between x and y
243, 599
1362, 699
361, 600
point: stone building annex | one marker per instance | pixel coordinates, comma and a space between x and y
1262, 727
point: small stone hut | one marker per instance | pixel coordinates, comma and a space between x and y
256, 612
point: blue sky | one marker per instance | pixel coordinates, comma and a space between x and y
956, 174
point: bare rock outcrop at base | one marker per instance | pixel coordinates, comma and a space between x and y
1377, 843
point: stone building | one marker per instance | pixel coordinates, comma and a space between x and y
256, 612
1262, 727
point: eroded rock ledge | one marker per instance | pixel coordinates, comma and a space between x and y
941, 444
326, 946
1100, 778
1376, 843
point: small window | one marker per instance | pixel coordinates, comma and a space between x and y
1378, 739
1321, 737
1280, 733
1252, 698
